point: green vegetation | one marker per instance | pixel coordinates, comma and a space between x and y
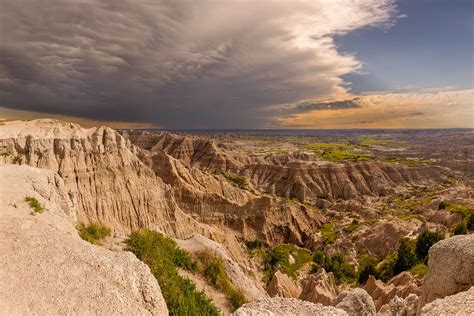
385, 268
409, 161
406, 257
336, 155
327, 230
470, 221
367, 266
424, 242
35, 205
213, 269
407, 217
419, 270
163, 257
253, 244
460, 229
93, 232
238, 181
353, 226
279, 257
463, 209
337, 264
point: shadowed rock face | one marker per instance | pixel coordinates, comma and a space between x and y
47, 269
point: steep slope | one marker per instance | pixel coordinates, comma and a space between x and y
46, 268
102, 173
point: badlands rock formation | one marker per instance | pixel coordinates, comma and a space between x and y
46, 268
356, 302
282, 285
451, 268
286, 306
319, 287
400, 286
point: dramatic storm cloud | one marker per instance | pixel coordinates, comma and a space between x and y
190, 64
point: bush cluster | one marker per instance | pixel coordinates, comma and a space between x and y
337, 264
93, 232
412, 255
163, 257
279, 258
213, 269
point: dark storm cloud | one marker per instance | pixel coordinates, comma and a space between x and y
175, 63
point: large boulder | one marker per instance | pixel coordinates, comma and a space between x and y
286, 306
319, 287
450, 268
47, 269
282, 285
458, 304
356, 302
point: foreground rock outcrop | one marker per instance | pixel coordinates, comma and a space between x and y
356, 302
46, 268
286, 306
458, 304
451, 268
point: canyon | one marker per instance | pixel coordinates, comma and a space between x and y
267, 206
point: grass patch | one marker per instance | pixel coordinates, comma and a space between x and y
238, 181
353, 226
93, 232
336, 152
327, 230
419, 270
409, 161
279, 257
163, 257
213, 269
35, 205
407, 217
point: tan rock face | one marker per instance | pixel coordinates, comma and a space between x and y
356, 302
101, 172
451, 268
319, 287
399, 306
46, 268
401, 285
286, 306
282, 285
461, 303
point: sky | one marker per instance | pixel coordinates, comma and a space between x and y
239, 63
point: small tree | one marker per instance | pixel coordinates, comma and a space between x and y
460, 229
470, 221
424, 242
406, 256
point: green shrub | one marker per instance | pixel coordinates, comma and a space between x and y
35, 205
213, 269
406, 257
238, 181
424, 242
442, 205
337, 264
278, 257
327, 230
253, 244
419, 270
470, 221
353, 226
93, 232
386, 267
460, 229
163, 256
367, 266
